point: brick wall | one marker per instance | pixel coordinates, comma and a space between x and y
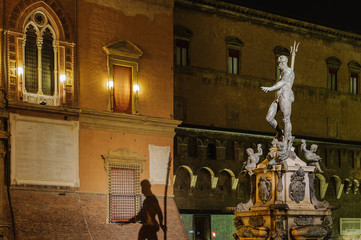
53, 215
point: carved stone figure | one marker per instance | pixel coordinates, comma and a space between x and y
297, 186
284, 99
264, 189
311, 155
284, 151
253, 159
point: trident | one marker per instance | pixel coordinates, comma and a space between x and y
294, 49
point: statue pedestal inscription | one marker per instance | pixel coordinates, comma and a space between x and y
44, 151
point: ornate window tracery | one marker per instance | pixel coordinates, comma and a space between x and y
40, 58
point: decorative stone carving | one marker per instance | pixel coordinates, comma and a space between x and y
309, 231
244, 231
264, 189
253, 159
311, 155
245, 206
304, 220
257, 221
279, 233
297, 186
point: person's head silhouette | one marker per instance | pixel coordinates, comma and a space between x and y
145, 184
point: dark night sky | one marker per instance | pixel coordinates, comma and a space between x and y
340, 15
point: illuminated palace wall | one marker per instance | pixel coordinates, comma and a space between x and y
230, 53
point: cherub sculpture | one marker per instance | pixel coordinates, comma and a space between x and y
311, 155
253, 159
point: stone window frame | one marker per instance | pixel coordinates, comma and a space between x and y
354, 69
124, 159
182, 34
333, 65
20, 16
126, 54
279, 51
233, 44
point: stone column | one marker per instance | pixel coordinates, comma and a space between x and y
39, 43
55, 47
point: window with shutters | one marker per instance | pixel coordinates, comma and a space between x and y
234, 45
354, 70
333, 65
182, 38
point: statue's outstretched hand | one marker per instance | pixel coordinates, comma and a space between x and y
266, 89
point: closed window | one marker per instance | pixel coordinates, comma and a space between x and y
123, 57
332, 79
354, 70
233, 61
124, 196
354, 83
122, 78
181, 52
234, 46
333, 65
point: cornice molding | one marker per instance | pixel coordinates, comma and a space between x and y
128, 123
43, 108
269, 19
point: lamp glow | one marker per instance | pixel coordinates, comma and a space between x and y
20, 70
136, 88
109, 84
62, 78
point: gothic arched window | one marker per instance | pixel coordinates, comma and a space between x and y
40, 61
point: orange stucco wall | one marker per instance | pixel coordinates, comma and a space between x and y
94, 143
151, 30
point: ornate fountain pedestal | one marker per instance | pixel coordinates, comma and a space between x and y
283, 204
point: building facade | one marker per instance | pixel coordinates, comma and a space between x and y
89, 110
224, 53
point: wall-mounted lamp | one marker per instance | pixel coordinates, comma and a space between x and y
20, 70
22, 86
136, 88
62, 78
109, 84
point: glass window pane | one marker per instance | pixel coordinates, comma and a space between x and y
47, 63
235, 65
31, 61
230, 65
178, 55
184, 56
